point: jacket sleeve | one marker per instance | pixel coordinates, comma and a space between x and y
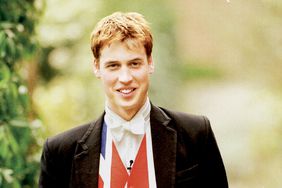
47, 178
211, 162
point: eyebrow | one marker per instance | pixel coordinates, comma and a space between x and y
110, 62
136, 59
113, 61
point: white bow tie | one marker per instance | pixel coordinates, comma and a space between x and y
135, 126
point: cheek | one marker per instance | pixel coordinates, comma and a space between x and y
143, 78
108, 80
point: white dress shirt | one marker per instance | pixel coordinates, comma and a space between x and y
127, 135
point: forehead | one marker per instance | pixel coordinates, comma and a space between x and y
122, 51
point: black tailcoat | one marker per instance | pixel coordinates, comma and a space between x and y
184, 149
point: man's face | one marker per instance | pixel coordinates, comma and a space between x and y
124, 71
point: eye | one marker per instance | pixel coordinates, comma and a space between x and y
135, 64
112, 66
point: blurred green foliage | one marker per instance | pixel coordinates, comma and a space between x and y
18, 145
194, 71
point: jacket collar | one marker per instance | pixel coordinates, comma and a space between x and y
85, 170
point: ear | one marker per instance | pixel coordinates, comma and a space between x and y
151, 65
96, 68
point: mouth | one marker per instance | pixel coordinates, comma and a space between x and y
126, 91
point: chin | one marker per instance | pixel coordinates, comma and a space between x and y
129, 105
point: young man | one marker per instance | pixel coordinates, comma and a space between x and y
133, 143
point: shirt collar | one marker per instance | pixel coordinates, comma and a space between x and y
137, 125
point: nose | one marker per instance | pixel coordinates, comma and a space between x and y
125, 76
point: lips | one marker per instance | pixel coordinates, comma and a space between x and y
126, 91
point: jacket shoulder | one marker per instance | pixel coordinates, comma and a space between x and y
66, 141
190, 121
193, 126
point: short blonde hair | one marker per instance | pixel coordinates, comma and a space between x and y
119, 27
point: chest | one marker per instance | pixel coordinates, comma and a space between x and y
138, 171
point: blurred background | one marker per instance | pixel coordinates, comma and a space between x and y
220, 58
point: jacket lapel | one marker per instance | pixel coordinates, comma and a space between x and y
164, 140
85, 169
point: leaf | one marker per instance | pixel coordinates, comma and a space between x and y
7, 174
1, 180
4, 75
11, 48
3, 145
18, 123
14, 145
2, 44
6, 25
